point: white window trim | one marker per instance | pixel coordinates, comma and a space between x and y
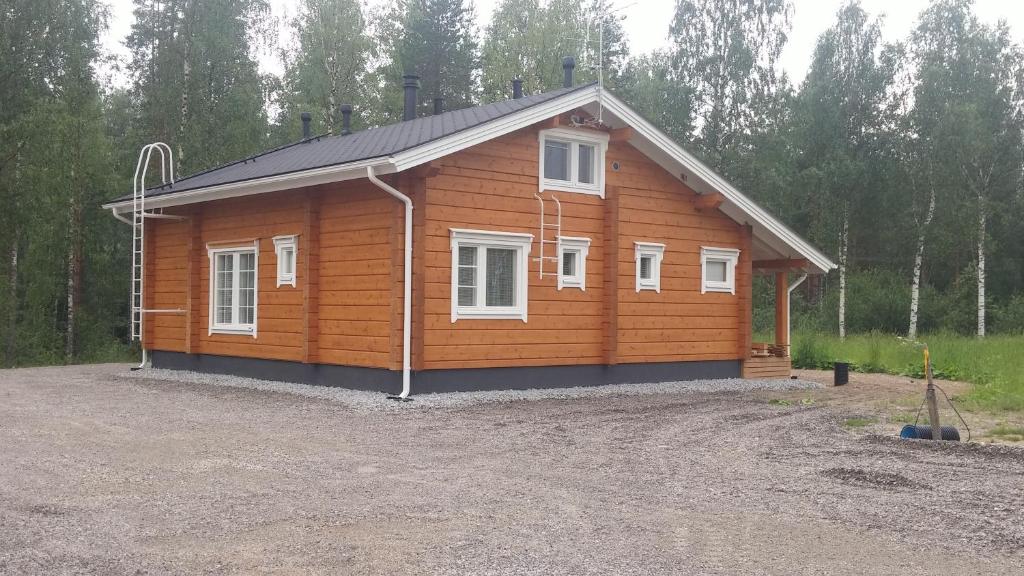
657, 252
582, 247
728, 255
488, 239
599, 140
281, 243
244, 329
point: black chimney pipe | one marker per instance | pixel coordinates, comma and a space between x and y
438, 106
568, 65
412, 85
517, 88
306, 117
346, 119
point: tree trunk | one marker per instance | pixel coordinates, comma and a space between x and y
12, 297
981, 265
915, 287
74, 273
843, 245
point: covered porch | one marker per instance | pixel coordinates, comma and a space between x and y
773, 359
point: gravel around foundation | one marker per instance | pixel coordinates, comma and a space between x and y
107, 474
372, 401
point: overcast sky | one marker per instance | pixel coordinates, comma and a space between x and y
647, 23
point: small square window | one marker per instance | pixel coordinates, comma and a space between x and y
572, 262
648, 265
718, 269
287, 250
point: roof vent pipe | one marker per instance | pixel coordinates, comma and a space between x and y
438, 106
568, 65
517, 88
346, 119
306, 117
412, 85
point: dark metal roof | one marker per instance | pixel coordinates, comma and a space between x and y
329, 150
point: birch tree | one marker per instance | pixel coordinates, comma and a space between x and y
967, 104
328, 66
842, 118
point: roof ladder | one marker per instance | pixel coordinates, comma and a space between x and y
544, 236
138, 222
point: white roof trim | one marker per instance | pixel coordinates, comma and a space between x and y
689, 162
774, 229
325, 175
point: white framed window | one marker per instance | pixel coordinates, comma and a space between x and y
648, 265
572, 262
718, 269
234, 274
572, 160
287, 250
489, 274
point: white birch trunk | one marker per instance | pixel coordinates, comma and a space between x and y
915, 287
981, 265
843, 243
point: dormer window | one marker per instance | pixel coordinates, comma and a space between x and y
572, 160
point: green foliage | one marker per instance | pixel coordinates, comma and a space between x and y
993, 364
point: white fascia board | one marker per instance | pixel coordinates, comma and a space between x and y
316, 176
689, 162
493, 129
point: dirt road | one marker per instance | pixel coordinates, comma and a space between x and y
101, 474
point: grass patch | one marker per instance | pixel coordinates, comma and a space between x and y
859, 422
995, 365
1007, 431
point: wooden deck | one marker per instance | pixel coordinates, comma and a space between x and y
767, 367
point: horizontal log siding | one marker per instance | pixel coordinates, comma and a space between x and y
490, 187
353, 300
679, 323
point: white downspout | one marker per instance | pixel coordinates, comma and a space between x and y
407, 304
789, 319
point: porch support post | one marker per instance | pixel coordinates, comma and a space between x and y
782, 311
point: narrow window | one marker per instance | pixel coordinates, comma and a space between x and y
718, 269
234, 290
556, 160
572, 160
489, 274
572, 262
648, 265
287, 249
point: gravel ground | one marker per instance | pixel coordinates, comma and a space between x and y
101, 473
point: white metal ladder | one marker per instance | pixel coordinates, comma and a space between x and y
544, 227
138, 222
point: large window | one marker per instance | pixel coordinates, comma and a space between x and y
648, 265
718, 269
489, 274
572, 262
572, 160
233, 287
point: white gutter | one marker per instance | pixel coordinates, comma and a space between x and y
407, 281
789, 319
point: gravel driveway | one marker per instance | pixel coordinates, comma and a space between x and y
104, 474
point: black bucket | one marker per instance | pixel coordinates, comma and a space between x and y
841, 373
924, 432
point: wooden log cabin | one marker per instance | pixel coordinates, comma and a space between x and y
556, 239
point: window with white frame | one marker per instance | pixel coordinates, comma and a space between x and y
287, 249
572, 262
572, 160
489, 274
233, 289
718, 269
648, 265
